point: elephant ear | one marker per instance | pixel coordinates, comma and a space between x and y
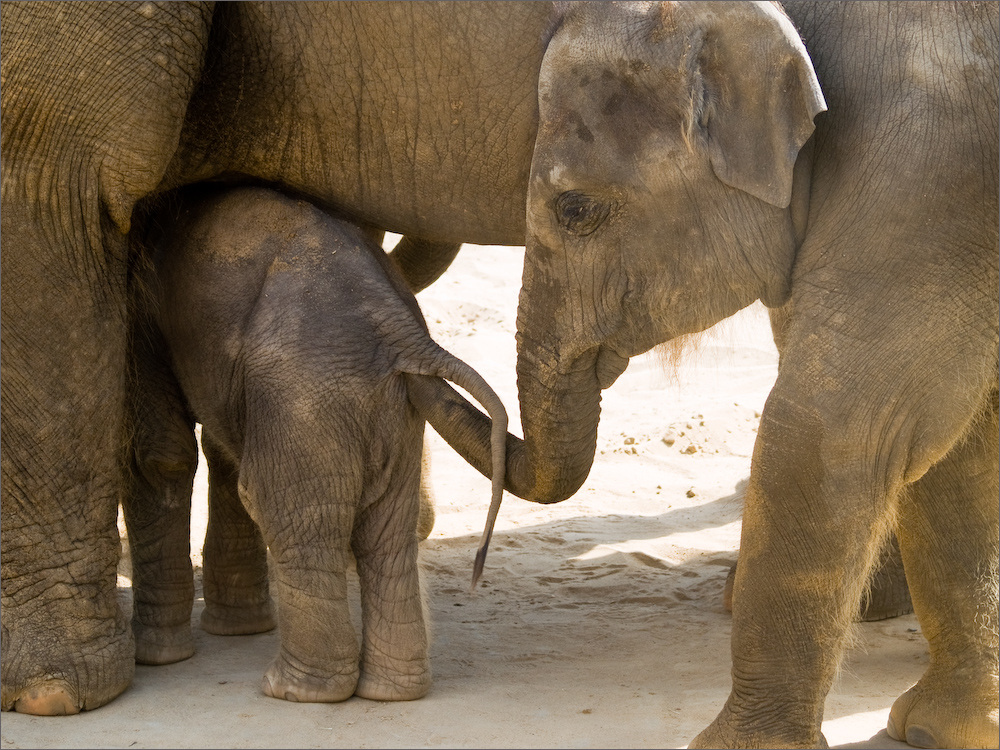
762, 96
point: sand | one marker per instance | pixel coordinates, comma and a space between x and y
598, 621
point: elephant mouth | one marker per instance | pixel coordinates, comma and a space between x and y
637, 333
609, 366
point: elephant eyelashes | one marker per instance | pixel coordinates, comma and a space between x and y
580, 214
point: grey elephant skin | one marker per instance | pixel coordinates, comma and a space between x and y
290, 337
881, 267
687, 163
412, 117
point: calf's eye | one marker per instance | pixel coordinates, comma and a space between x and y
580, 214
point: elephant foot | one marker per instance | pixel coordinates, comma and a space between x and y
218, 619
381, 685
81, 675
728, 730
53, 698
283, 680
946, 713
162, 645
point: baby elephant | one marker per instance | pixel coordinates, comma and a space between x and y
290, 337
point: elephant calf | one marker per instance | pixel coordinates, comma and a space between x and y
291, 338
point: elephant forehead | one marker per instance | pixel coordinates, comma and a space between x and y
598, 42
605, 88
638, 155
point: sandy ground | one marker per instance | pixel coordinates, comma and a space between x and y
598, 621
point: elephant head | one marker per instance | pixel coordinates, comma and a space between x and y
658, 201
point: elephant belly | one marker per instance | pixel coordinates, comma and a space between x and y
381, 109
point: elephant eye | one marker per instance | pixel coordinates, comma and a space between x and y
580, 214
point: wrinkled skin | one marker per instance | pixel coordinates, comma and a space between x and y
235, 574
886, 594
875, 236
206, 106
291, 340
416, 118
160, 480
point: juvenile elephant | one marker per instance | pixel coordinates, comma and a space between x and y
687, 163
289, 335
160, 482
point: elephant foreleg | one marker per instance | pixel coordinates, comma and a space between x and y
421, 262
797, 587
425, 519
953, 568
886, 595
864, 430
157, 505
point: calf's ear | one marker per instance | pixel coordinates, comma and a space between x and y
762, 97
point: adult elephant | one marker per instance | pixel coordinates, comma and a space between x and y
411, 117
428, 133
682, 170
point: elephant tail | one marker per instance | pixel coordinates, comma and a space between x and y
437, 401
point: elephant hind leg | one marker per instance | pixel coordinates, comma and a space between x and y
68, 193
304, 505
887, 594
949, 526
235, 575
66, 643
395, 662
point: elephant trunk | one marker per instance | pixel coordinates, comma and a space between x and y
466, 429
555, 459
561, 369
560, 404
560, 401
